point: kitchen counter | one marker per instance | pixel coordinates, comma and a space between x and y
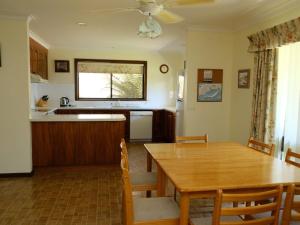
130, 108
45, 117
76, 139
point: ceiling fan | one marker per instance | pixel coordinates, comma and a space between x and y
158, 9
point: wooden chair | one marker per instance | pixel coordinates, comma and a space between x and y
291, 212
142, 180
261, 147
183, 139
244, 214
192, 138
290, 155
291, 158
146, 211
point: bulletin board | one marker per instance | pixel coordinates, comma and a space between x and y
210, 85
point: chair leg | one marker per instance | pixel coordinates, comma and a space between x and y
148, 194
175, 193
248, 217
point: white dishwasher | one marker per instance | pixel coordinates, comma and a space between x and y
141, 125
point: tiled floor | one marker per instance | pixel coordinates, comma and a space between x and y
68, 196
86, 195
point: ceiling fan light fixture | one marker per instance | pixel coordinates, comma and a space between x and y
150, 28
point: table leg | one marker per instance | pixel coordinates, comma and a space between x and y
161, 182
184, 208
149, 169
149, 162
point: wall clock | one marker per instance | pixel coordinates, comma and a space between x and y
164, 68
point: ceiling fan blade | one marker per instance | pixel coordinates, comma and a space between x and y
116, 10
168, 17
146, 1
191, 2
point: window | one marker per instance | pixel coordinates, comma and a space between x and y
110, 80
180, 87
288, 98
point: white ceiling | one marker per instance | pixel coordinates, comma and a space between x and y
56, 21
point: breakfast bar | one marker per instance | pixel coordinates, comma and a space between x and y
70, 140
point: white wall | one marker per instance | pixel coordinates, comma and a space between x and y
15, 135
208, 50
160, 87
242, 98
230, 119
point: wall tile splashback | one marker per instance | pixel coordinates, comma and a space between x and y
56, 91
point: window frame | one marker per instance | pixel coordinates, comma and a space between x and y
144, 63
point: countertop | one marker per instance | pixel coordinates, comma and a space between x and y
45, 117
45, 114
52, 109
172, 109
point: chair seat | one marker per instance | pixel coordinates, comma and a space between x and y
294, 213
263, 215
151, 209
143, 178
208, 220
296, 198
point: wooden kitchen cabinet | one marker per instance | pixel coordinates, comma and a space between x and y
76, 143
158, 126
38, 59
163, 123
164, 126
170, 127
126, 113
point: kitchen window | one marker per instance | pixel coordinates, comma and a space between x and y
110, 80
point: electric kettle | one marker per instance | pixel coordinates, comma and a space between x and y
64, 101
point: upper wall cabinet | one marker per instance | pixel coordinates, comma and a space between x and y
38, 59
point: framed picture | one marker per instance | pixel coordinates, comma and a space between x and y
62, 66
244, 78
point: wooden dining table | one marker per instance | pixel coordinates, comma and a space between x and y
198, 170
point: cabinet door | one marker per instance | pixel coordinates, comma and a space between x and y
63, 137
40, 64
43, 60
38, 59
158, 126
42, 153
170, 127
34, 60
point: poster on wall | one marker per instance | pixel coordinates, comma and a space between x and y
210, 85
209, 92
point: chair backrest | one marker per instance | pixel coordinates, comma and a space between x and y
123, 146
291, 212
192, 138
291, 158
127, 194
224, 214
261, 147
124, 153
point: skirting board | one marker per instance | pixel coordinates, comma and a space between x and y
10, 175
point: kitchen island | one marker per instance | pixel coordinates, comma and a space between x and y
71, 140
